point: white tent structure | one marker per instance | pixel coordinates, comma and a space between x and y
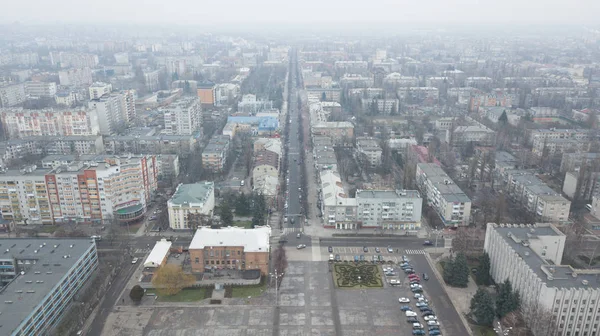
158, 254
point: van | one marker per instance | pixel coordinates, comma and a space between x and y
331, 257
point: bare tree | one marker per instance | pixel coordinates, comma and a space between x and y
515, 321
280, 262
540, 319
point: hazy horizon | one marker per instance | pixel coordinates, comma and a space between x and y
324, 12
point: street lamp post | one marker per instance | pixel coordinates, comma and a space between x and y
501, 331
277, 277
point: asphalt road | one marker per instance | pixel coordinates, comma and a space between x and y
293, 177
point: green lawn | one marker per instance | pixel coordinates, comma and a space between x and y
244, 224
245, 291
356, 276
482, 331
186, 295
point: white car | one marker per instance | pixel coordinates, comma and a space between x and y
134, 260
410, 313
430, 318
417, 326
416, 286
418, 295
404, 300
301, 246
433, 323
394, 282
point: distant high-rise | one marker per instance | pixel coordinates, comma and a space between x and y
183, 117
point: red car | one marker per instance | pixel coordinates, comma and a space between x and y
415, 277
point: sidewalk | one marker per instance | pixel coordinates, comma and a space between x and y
460, 297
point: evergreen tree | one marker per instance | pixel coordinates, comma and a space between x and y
225, 214
508, 300
449, 271
483, 270
482, 308
460, 276
503, 119
242, 205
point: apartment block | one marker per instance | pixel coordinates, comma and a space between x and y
40, 89
181, 145
231, 248
73, 60
24, 196
389, 209
214, 155
183, 117
369, 150
194, 198
99, 89
75, 77
530, 256
113, 110
12, 95
535, 196
341, 132
338, 209
40, 278
380, 106
574, 161
21, 123
476, 134
554, 146
442, 194
558, 133
581, 186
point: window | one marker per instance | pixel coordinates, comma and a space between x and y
197, 260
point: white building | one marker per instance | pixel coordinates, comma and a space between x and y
369, 150
183, 117
158, 255
197, 198
20, 123
40, 89
477, 134
12, 95
389, 209
99, 89
24, 196
449, 201
382, 106
75, 77
109, 111
530, 257
338, 209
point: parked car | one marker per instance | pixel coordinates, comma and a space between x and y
409, 271
362, 257
435, 332
430, 318
415, 286
410, 313
416, 290
424, 308
425, 276
390, 273
330, 249
134, 260
433, 327
405, 308
365, 249
377, 250
390, 250
433, 323
405, 258
427, 312
412, 319
394, 282
337, 257
404, 300
421, 304
417, 325
418, 332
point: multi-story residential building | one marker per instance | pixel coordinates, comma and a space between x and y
445, 124
75, 77
195, 198
226, 93
338, 209
250, 105
269, 144
17, 149
128, 105
535, 196
556, 133
341, 132
181, 145
168, 166
582, 185
73, 60
380, 106
331, 93
483, 83
556, 299
574, 161
112, 111
151, 80
40, 89
355, 81
552, 146
422, 95
183, 117
389, 209
99, 89
214, 155
21, 123
12, 95
40, 278
476, 134
265, 163
24, 196
369, 150
65, 98
352, 66
231, 248
104, 189
395, 80
442, 194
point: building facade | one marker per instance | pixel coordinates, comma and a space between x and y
195, 198
530, 256
389, 209
183, 117
214, 155
449, 201
21, 123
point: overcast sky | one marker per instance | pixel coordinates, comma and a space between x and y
228, 12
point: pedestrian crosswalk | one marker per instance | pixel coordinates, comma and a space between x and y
291, 230
415, 252
142, 250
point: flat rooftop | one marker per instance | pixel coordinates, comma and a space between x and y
387, 194
560, 275
444, 184
38, 279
